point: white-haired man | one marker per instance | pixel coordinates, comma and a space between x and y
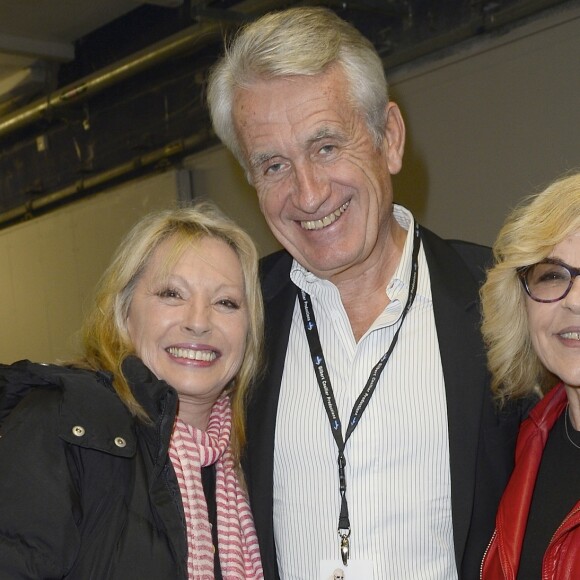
374, 417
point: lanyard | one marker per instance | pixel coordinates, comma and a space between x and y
363, 399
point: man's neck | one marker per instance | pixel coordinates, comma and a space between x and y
363, 293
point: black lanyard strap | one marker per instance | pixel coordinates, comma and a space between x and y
327, 393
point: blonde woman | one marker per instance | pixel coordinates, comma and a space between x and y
125, 465
531, 306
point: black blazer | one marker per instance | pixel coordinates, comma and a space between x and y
481, 441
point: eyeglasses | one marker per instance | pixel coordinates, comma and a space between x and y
549, 280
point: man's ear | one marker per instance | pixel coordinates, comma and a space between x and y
394, 142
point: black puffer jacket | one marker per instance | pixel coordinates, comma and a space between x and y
86, 491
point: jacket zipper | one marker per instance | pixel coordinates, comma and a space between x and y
572, 513
568, 517
485, 554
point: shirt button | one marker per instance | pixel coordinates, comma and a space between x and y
78, 431
120, 442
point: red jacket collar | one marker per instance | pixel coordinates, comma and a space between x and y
515, 504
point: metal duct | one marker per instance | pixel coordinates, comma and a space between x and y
85, 185
179, 43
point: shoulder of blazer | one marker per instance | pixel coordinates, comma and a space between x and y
275, 273
456, 266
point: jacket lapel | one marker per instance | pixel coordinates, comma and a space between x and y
279, 298
455, 290
455, 294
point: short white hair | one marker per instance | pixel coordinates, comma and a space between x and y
296, 42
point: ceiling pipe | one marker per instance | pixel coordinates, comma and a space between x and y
182, 42
96, 82
96, 183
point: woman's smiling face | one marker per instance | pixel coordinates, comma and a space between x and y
555, 327
189, 326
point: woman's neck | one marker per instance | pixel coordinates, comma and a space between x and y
574, 405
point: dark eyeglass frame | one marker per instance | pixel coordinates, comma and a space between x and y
523, 272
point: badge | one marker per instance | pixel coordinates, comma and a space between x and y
336, 570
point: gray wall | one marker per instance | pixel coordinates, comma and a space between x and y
490, 124
487, 125
49, 266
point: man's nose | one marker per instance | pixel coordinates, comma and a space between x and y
312, 186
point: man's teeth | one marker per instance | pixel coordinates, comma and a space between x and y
203, 355
325, 221
571, 335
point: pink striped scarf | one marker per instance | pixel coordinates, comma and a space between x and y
191, 449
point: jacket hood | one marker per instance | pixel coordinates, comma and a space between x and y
18, 380
87, 399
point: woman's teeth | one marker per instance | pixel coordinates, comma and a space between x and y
202, 355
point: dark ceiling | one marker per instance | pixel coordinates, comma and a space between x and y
132, 102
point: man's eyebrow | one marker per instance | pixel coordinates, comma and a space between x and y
326, 133
258, 158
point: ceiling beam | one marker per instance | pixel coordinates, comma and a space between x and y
37, 49
165, 3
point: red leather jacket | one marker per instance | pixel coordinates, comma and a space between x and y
562, 558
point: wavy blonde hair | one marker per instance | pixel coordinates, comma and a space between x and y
528, 236
105, 336
295, 42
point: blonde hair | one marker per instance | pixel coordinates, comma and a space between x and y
105, 336
528, 236
294, 42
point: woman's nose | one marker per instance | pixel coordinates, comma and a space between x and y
572, 299
197, 320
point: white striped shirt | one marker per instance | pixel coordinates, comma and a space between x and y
397, 474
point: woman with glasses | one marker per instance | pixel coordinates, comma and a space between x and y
531, 312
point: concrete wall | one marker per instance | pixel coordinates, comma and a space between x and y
487, 124
216, 175
49, 266
490, 124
